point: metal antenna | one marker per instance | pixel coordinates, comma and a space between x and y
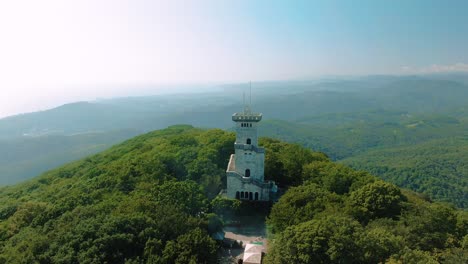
250, 83
243, 95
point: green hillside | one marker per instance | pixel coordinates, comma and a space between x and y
437, 168
345, 135
26, 157
424, 153
152, 199
147, 199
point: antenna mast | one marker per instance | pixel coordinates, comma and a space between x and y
243, 96
250, 84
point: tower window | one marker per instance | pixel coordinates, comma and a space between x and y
247, 173
249, 141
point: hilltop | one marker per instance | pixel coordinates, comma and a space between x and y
152, 199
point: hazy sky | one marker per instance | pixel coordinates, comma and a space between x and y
57, 51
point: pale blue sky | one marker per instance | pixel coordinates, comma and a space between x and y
57, 51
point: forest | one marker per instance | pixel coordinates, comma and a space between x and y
154, 199
424, 153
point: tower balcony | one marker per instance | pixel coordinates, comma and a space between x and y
249, 147
249, 117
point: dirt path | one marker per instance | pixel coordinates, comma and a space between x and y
237, 236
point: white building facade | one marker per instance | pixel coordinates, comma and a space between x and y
245, 171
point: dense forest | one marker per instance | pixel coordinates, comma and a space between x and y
437, 168
153, 199
424, 153
147, 200
338, 215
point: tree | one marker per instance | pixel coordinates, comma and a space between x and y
186, 195
334, 177
412, 256
299, 204
378, 244
224, 206
332, 239
194, 247
429, 226
375, 200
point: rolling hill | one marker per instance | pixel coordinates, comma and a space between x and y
152, 199
423, 153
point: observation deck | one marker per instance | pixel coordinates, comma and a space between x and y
249, 147
246, 116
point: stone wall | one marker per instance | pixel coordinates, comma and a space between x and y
244, 133
236, 184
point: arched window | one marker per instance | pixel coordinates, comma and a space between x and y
249, 141
237, 195
256, 196
250, 125
247, 173
250, 196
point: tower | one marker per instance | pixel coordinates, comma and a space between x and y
246, 168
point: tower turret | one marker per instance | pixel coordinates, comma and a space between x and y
249, 157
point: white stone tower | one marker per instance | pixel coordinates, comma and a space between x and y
245, 172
